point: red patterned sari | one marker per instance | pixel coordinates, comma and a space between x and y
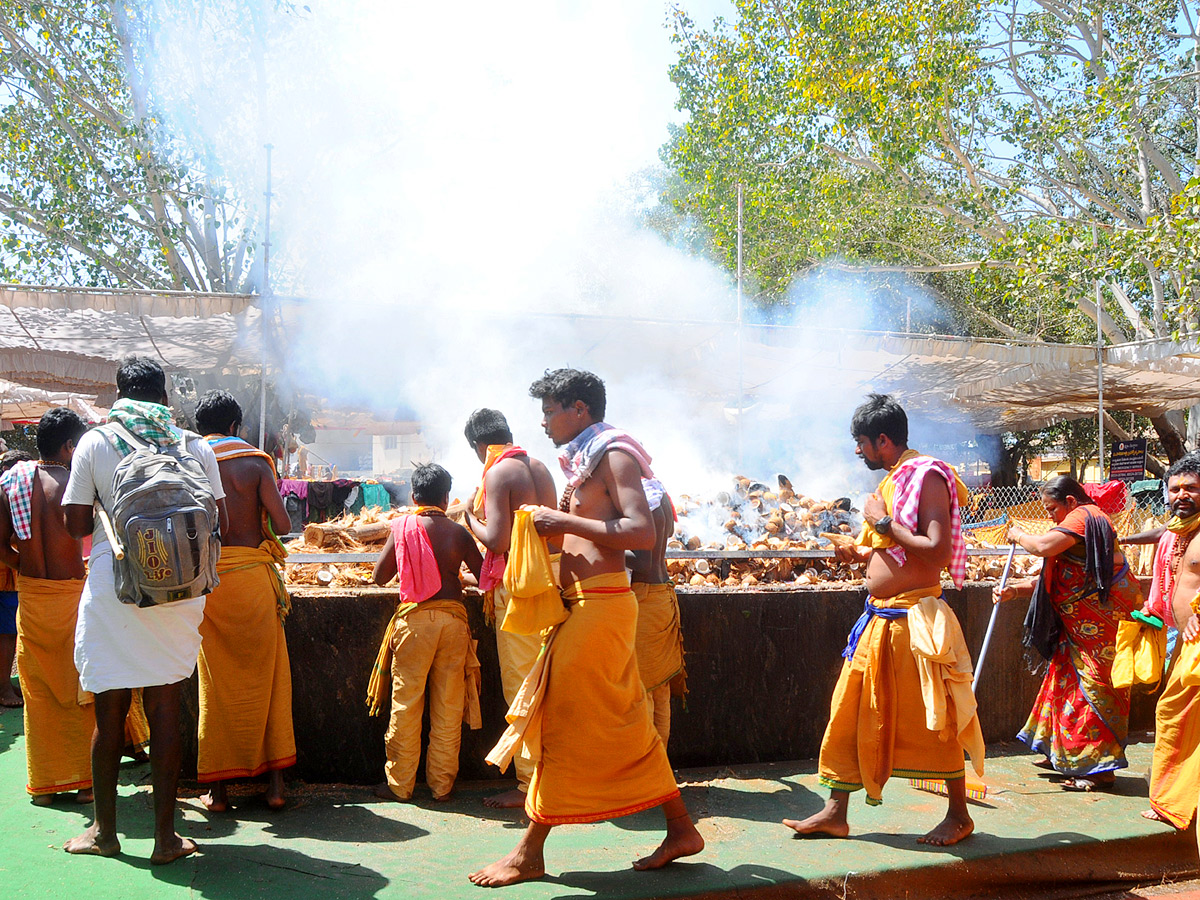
1079, 720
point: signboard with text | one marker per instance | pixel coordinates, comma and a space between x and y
1127, 460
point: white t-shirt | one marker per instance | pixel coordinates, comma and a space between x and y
92, 469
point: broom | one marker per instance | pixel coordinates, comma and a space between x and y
976, 790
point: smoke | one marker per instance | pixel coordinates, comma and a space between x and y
450, 199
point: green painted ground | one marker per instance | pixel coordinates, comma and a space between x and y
336, 841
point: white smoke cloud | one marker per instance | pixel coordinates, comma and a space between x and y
446, 197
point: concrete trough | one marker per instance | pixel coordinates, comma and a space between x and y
761, 666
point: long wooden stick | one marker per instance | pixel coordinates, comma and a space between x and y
987, 637
117, 549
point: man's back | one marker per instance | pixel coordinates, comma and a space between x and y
50, 552
510, 484
250, 489
451, 546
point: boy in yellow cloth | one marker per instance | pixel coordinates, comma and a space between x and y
581, 714
1175, 770
34, 542
245, 726
903, 704
511, 479
428, 641
659, 635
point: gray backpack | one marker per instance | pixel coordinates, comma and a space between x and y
165, 515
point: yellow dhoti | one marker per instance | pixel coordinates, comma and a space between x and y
245, 676
431, 645
903, 704
1175, 771
517, 653
59, 717
581, 715
659, 650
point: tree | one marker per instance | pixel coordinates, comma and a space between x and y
95, 189
1013, 154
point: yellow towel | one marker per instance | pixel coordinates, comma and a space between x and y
535, 603
1140, 650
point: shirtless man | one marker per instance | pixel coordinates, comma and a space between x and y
511, 479
429, 645
880, 432
1174, 598
50, 572
608, 761
245, 676
659, 638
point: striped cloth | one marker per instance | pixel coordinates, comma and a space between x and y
152, 422
908, 478
584, 453
17, 484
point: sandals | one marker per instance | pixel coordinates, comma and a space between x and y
1080, 783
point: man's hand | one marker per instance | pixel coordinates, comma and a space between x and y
874, 508
548, 522
1192, 629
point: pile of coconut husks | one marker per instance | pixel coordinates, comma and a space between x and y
752, 516
755, 516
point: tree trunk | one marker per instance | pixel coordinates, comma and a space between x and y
1169, 436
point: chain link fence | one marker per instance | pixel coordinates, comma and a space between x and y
1133, 508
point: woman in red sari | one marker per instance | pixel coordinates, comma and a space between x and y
1080, 722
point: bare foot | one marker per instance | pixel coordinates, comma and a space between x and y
674, 846
91, 843
275, 796
10, 699
42, 799
216, 800
84, 796
950, 830
445, 798
384, 792
1155, 816
1045, 764
512, 869
175, 849
1089, 783
829, 821
513, 799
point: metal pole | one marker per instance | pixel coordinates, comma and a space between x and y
987, 638
263, 306
741, 370
1099, 367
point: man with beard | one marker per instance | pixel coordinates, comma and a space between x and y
903, 704
607, 761
1175, 598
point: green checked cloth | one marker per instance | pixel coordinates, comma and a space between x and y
149, 421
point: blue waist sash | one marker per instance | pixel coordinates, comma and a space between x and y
870, 610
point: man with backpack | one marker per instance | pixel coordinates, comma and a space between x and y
158, 498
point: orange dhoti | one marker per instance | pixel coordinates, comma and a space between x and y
245, 676
517, 654
59, 717
1175, 771
582, 716
659, 650
903, 703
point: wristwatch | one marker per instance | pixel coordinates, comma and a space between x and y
884, 524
